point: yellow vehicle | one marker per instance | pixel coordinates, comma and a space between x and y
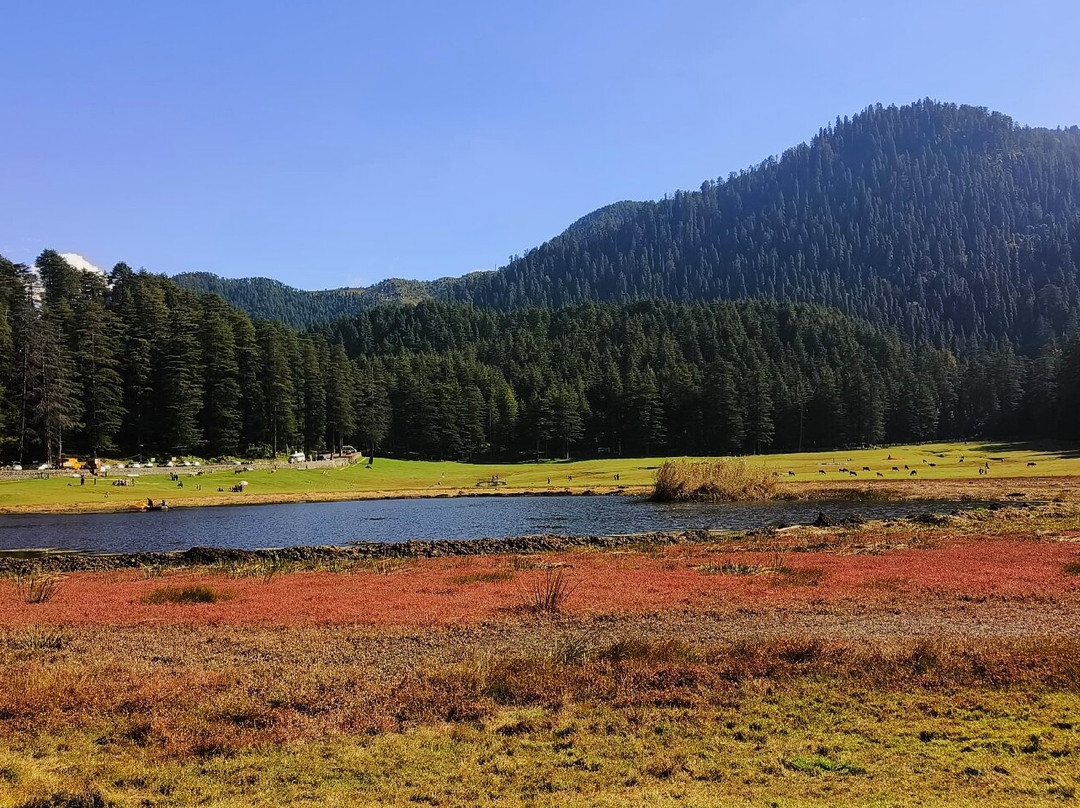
72, 463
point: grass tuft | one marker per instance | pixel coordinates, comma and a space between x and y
720, 480
37, 587
1072, 568
488, 577
819, 764
40, 639
548, 595
199, 593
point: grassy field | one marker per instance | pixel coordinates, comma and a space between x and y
417, 478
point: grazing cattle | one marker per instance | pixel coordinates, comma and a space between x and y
879, 474
894, 468
853, 474
866, 468
913, 472
932, 465
1030, 465
905, 467
821, 471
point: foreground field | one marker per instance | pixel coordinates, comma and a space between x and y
886, 664
939, 473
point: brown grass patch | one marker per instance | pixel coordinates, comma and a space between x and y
720, 480
489, 577
195, 593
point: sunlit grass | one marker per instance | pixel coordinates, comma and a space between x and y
805, 741
434, 478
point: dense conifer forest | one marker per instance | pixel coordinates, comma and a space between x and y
948, 223
135, 365
910, 274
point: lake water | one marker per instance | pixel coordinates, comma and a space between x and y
397, 520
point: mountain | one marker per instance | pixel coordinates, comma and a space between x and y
951, 223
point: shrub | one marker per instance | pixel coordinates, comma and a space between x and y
1072, 568
720, 480
37, 587
199, 593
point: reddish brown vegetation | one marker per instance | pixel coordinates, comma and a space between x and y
450, 590
181, 711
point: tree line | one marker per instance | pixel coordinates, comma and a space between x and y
136, 366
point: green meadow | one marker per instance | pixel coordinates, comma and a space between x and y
935, 461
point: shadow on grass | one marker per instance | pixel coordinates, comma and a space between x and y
1059, 449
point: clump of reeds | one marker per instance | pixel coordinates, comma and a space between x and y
548, 594
37, 587
720, 480
195, 593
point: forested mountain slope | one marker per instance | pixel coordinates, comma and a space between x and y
133, 365
948, 222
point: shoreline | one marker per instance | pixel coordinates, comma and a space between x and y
769, 537
950, 489
80, 508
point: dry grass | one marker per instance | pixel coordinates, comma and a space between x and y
548, 594
195, 593
610, 720
720, 480
38, 587
488, 577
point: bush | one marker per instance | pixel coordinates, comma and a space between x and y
720, 480
186, 594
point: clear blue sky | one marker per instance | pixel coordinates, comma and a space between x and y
330, 144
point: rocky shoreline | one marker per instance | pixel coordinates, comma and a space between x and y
360, 551
355, 551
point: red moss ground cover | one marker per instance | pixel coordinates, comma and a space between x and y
452, 590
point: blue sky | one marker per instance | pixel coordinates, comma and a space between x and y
331, 144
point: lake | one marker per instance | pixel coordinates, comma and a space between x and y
397, 520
